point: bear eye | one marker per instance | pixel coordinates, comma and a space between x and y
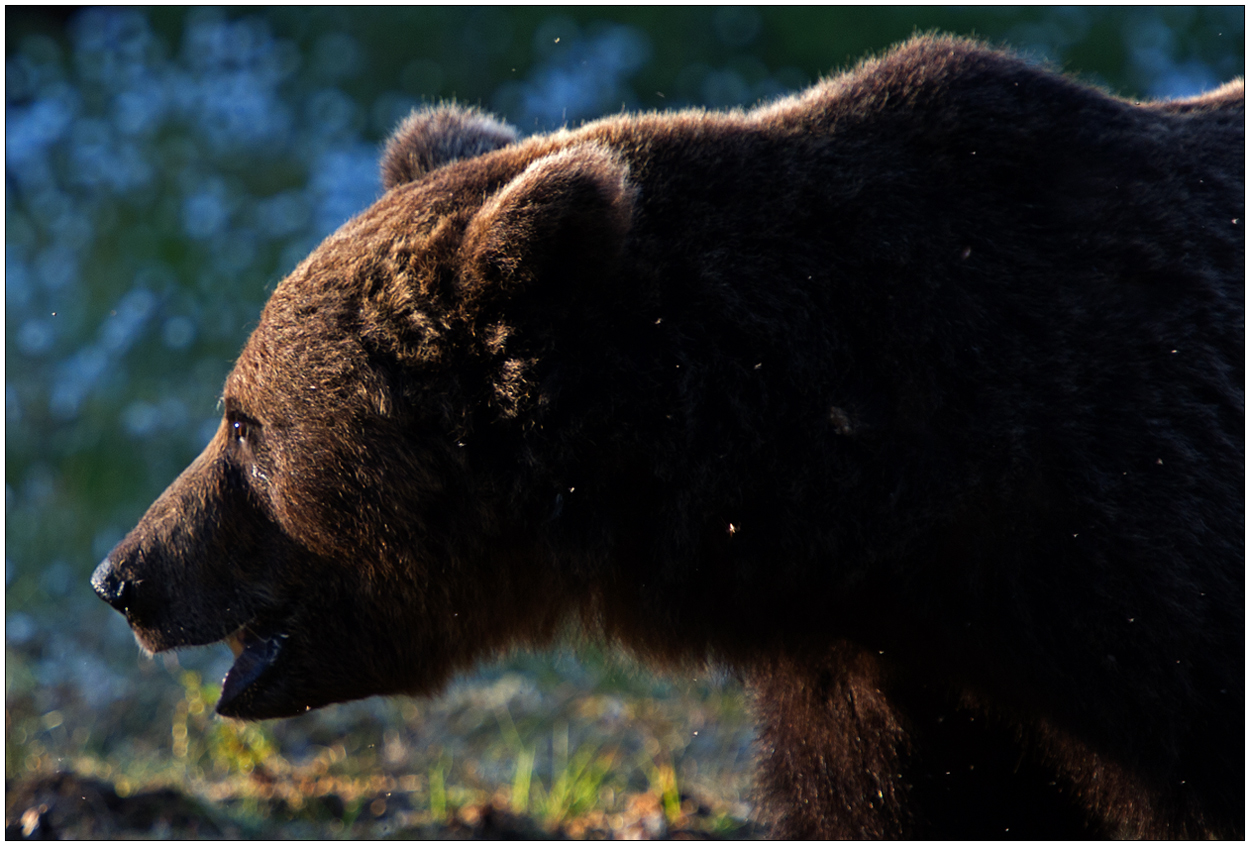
242, 428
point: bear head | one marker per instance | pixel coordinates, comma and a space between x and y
347, 529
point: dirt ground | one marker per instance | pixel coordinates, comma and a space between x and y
564, 745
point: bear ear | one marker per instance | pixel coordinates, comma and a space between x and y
563, 221
430, 138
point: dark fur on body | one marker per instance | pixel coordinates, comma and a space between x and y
917, 397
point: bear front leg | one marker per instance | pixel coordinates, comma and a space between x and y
849, 750
830, 746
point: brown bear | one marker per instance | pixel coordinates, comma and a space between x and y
916, 398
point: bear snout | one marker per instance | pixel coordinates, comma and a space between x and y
125, 593
111, 587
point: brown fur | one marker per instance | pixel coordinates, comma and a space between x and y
916, 397
431, 138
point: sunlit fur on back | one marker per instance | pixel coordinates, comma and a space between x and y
915, 398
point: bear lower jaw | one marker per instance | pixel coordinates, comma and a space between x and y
254, 657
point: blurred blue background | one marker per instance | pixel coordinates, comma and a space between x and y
165, 167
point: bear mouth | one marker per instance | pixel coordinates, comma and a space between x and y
255, 655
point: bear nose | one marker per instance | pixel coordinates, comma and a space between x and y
110, 587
